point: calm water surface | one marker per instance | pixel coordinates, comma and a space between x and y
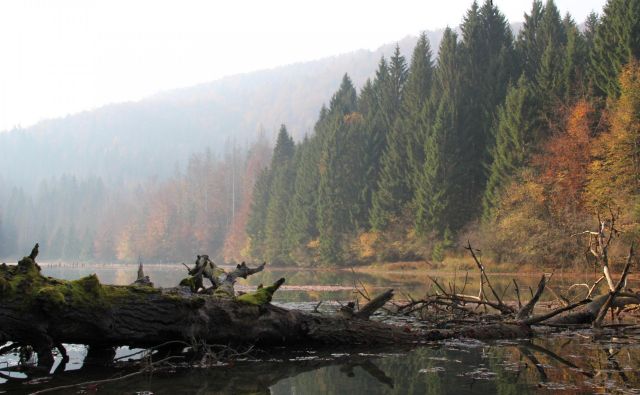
564, 363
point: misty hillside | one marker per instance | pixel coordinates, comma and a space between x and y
128, 142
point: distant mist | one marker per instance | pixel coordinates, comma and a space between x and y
129, 142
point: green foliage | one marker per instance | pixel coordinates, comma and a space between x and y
404, 142
514, 138
258, 215
302, 222
486, 66
615, 43
281, 189
421, 152
441, 246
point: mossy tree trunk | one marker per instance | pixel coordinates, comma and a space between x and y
45, 312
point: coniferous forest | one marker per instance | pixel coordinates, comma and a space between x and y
516, 142
512, 136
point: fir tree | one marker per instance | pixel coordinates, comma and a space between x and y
513, 133
302, 224
437, 185
394, 187
333, 209
574, 82
281, 190
616, 42
486, 58
434, 189
530, 45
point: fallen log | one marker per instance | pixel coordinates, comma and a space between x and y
45, 312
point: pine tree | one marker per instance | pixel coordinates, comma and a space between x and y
394, 187
550, 62
590, 27
487, 64
514, 128
530, 45
436, 193
574, 82
549, 77
281, 190
302, 224
616, 42
435, 186
333, 209
256, 224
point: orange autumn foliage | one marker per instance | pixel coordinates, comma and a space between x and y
566, 157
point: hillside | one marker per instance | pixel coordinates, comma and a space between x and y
128, 142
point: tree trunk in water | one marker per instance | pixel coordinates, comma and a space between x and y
44, 312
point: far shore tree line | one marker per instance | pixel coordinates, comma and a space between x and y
515, 142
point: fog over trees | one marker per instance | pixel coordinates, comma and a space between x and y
512, 137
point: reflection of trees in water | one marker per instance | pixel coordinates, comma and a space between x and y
460, 367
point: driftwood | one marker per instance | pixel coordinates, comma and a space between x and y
45, 312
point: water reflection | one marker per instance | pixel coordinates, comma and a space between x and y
314, 285
565, 363
557, 364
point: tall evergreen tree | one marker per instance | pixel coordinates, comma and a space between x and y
280, 193
513, 131
435, 189
381, 105
302, 224
550, 61
530, 45
333, 209
436, 193
549, 80
574, 81
616, 42
405, 141
487, 64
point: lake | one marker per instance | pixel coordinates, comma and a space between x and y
555, 362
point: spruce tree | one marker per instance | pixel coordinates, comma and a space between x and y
574, 82
394, 186
258, 214
487, 65
616, 42
333, 210
530, 45
380, 103
435, 185
513, 131
436, 191
302, 224
281, 190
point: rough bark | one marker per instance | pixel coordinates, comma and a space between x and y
44, 312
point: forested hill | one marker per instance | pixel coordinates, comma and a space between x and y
515, 141
164, 178
133, 141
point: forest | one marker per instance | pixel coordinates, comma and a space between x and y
515, 138
514, 142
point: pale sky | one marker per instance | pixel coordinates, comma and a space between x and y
63, 56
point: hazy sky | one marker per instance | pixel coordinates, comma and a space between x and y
60, 57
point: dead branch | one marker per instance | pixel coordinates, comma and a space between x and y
612, 295
526, 310
543, 317
376, 303
503, 308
